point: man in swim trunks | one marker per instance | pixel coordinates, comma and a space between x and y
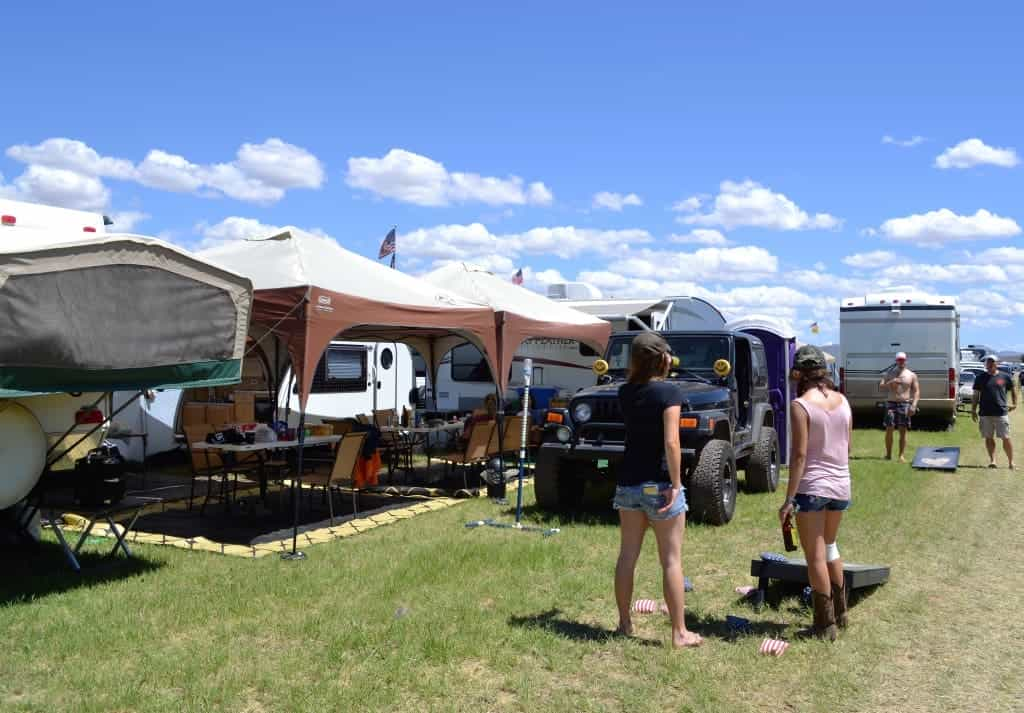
902, 394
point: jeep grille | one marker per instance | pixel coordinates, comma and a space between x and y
606, 410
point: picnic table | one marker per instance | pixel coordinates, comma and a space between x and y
230, 451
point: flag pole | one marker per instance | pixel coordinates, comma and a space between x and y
394, 254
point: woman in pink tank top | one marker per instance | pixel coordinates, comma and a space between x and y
819, 485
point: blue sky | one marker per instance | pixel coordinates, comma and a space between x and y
734, 150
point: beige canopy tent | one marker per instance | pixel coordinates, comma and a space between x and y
522, 314
310, 290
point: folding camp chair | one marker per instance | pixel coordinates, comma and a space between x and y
342, 471
397, 448
208, 465
476, 450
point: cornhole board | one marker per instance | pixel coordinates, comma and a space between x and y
795, 571
936, 458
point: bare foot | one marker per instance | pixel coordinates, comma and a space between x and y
624, 629
686, 640
902, 459
888, 456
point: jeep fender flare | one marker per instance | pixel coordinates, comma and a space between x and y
723, 425
764, 415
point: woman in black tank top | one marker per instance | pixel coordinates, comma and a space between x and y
649, 491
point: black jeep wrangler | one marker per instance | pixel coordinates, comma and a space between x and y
726, 423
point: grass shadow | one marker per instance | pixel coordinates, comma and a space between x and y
717, 627
37, 571
552, 622
579, 516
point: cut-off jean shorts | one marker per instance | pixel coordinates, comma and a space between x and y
632, 497
817, 503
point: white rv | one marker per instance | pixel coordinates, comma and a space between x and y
354, 378
17, 215
873, 328
565, 365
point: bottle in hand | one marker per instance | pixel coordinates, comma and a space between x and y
787, 534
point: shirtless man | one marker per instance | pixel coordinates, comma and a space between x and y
903, 393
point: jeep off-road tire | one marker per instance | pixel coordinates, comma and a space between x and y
762, 474
711, 491
554, 489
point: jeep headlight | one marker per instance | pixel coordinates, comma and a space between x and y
582, 412
563, 434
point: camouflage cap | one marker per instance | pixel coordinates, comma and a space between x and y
809, 357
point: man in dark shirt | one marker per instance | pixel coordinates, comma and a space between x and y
990, 391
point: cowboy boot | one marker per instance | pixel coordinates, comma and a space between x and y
824, 626
840, 602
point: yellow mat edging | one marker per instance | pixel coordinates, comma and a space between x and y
308, 538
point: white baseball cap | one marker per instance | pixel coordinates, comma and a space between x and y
991, 357
901, 356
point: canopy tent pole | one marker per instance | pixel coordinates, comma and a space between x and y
297, 491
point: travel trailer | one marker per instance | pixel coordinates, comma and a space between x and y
21, 216
355, 378
873, 328
564, 366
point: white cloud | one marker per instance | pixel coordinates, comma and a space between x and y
904, 143
261, 174
871, 260
615, 201
689, 205
700, 236
411, 178
498, 264
549, 277
1001, 256
568, 241
233, 228
975, 152
169, 172
280, 164
941, 226
125, 221
58, 187
739, 264
749, 204
72, 155
955, 274
471, 242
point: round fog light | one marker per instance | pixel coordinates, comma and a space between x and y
581, 413
563, 434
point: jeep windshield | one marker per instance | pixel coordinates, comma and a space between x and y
697, 354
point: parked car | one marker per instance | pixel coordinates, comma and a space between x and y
965, 392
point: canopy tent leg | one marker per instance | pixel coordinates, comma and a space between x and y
297, 492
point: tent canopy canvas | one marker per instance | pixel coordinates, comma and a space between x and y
522, 314
117, 312
309, 290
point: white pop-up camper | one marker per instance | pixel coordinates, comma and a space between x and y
118, 312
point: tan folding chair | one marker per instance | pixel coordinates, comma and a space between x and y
476, 449
342, 471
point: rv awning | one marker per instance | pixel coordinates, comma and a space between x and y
522, 314
310, 290
117, 312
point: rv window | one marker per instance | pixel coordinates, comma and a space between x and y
340, 369
587, 351
468, 364
387, 358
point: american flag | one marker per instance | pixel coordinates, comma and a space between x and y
388, 247
517, 279
773, 647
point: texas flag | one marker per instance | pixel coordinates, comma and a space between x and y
517, 279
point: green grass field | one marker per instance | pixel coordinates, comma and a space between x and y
429, 615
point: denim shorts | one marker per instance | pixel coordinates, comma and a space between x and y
817, 503
632, 497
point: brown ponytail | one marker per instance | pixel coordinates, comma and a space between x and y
813, 379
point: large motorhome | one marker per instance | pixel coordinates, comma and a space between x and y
565, 365
873, 328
